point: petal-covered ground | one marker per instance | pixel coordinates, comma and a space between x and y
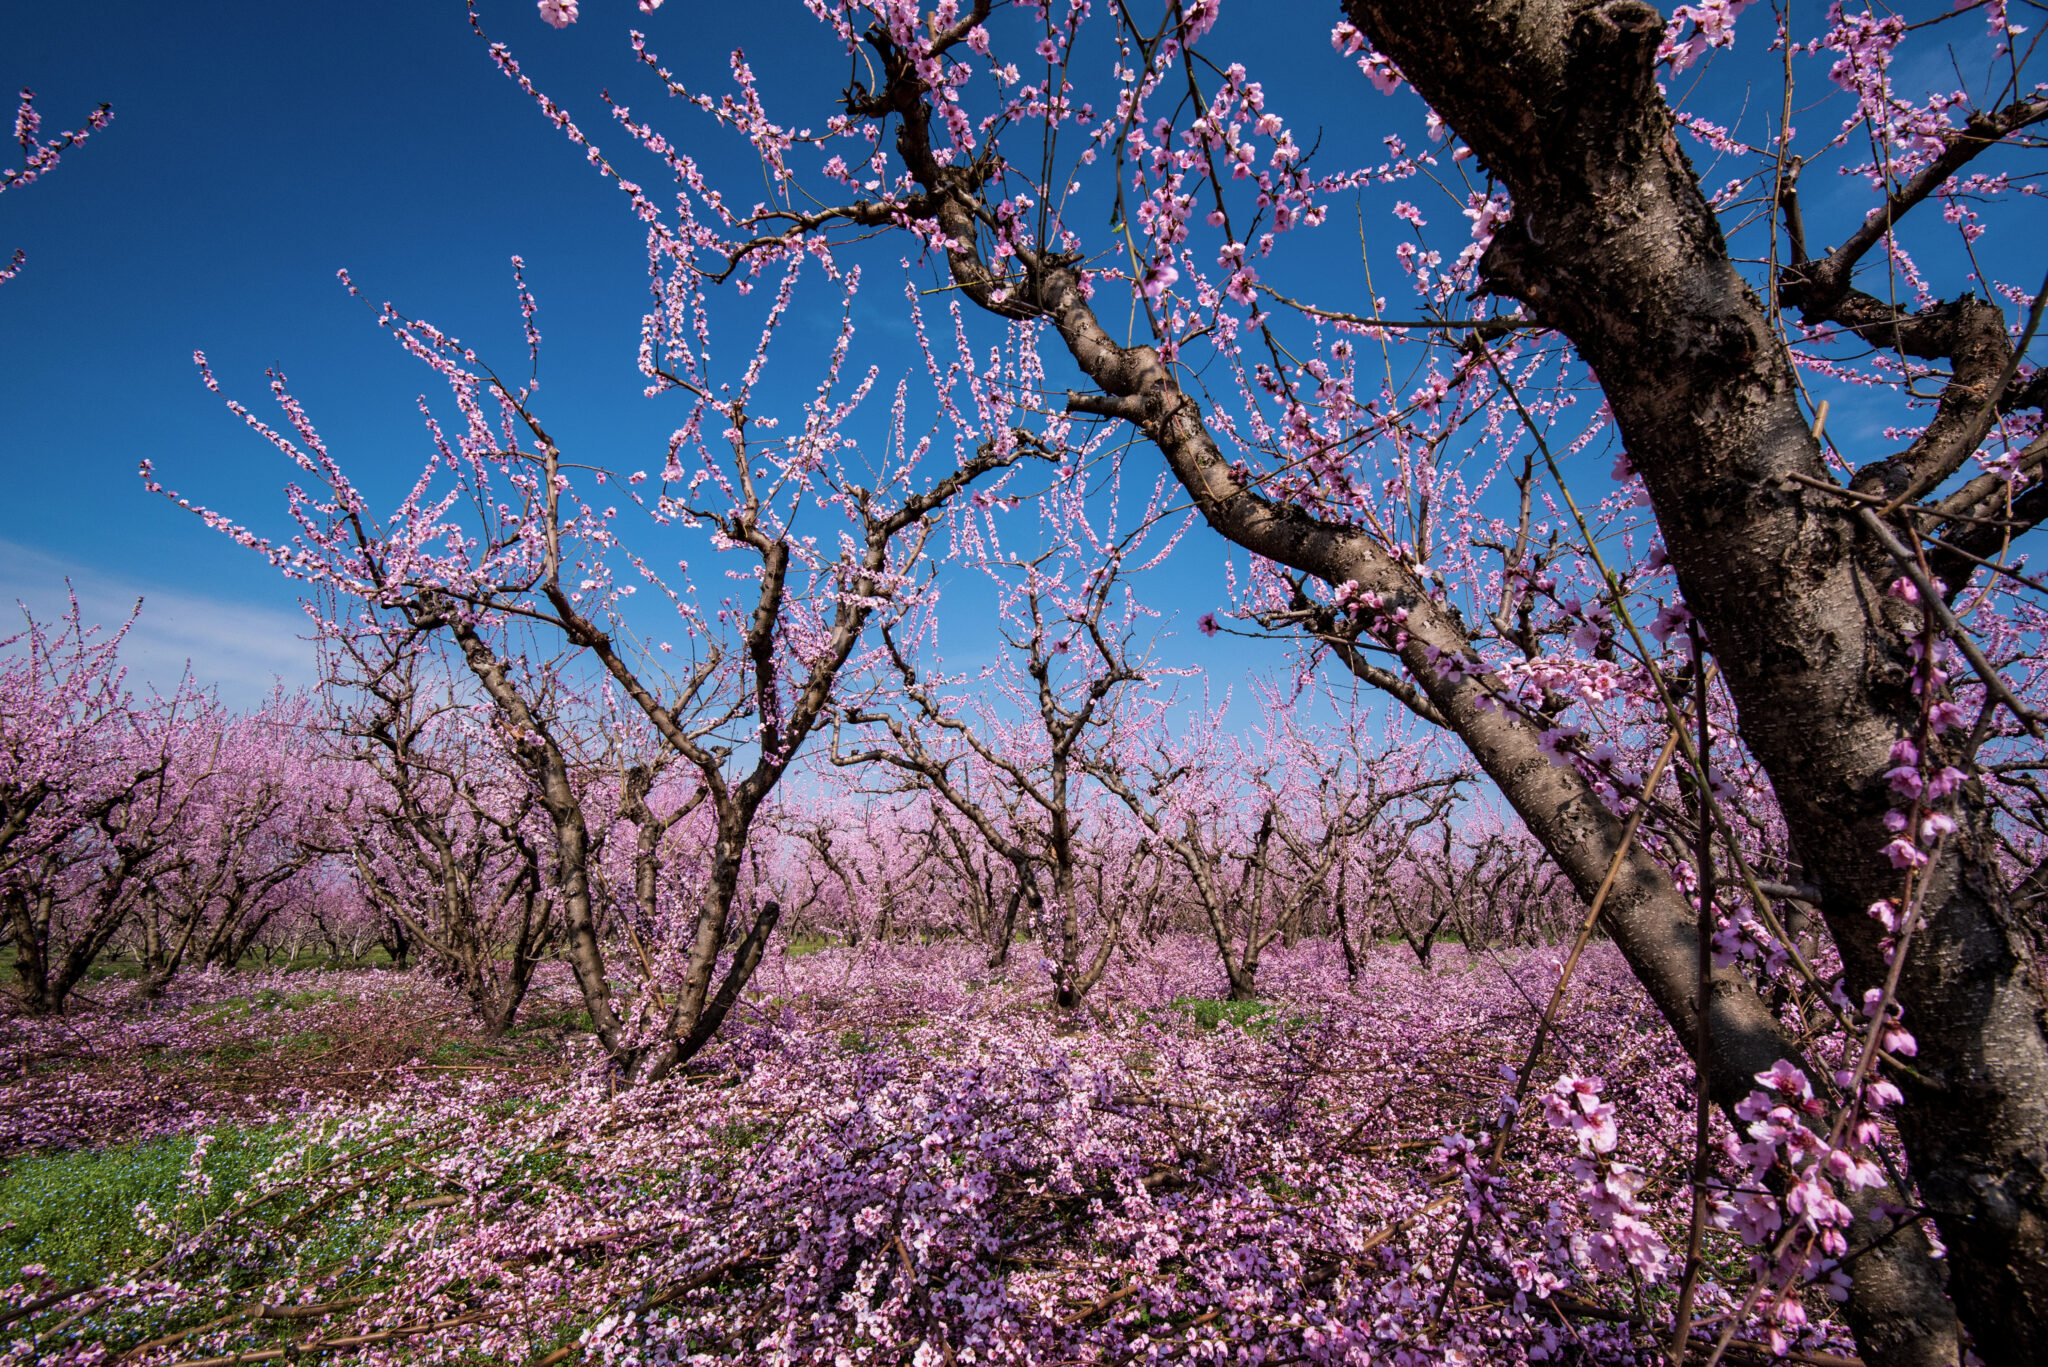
889, 1158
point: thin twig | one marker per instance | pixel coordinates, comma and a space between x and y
1571, 963
1909, 565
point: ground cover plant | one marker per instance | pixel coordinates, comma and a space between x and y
890, 1158
1615, 936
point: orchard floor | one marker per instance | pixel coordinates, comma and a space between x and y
890, 1157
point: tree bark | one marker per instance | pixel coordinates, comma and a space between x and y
1613, 244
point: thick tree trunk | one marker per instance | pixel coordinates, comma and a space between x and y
1613, 244
546, 765
1340, 906
31, 957
698, 1012
1006, 925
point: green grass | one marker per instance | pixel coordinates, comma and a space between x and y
469, 1051
1210, 1012
124, 966
797, 946
74, 1212
739, 1134
573, 1020
266, 1000
1252, 1017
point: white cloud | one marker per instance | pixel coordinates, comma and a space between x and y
239, 648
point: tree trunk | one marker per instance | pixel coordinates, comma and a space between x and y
1006, 928
1613, 244
31, 957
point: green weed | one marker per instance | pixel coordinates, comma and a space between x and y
1210, 1012
74, 1212
798, 946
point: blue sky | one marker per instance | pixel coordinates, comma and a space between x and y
258, 148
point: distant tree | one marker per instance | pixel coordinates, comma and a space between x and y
498, 540
446, 833
96, 787
251, 830
1014, 748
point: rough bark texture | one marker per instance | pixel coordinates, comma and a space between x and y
541, 757
1613, 244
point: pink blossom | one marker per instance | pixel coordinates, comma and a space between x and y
1159, 278
1904, 854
